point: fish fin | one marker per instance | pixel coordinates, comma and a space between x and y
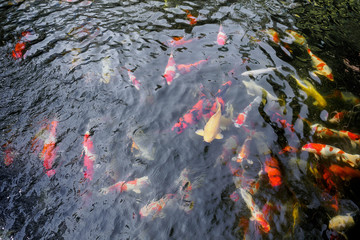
219, 136
200, 132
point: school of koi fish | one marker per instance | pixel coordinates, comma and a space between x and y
331, 155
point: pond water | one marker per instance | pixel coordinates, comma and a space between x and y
73, 122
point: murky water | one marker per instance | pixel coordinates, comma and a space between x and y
65, 72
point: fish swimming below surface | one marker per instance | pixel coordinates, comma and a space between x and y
155, 208
107, 71
89, 156
170, 70
186, 68
133, 80
241, 118
310, 90
49, 151
135, 185
341, 222
258, 71
221, 37
211, 130
321, 66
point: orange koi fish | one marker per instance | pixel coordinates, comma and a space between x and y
179, 41
191, 18
221, 37
241, 118
9, 156
345, 173
273, 35
327, 151
155, 207
18, 52
273, 171
283, 123
256, 214
204, 107
186, 68
133, 80
245, 151
170, 70
338, 117
48, 153
89, 157
122, 186
321, 66
288, 149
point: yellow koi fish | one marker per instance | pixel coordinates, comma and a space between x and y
310, 90
211, 130
341, 223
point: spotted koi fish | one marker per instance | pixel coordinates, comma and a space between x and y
327, 151
256, 214
191, 18
298, 39
179, 41
48, 153
170, 70
273, 35
276, 117
122, 186
244, 151
221, 37
338, 117
133, 80
288, 149
155, 208
273, 171
89, 156
321, 66
241, 118
186, 68
19, 50
321, 131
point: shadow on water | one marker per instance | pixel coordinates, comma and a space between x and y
74, 124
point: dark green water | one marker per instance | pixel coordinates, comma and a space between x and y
72, 71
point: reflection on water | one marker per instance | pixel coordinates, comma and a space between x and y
101, 102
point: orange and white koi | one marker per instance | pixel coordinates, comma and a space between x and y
276, 117
179, 41
89, 156
288, 149
170, 70
298, 39
273, 171
186, 68
9, 156
48, 153
155, 208
256, 214
327, 151
345, 173
221, 37
338, 117
191, 18
321, 66
19, 50
133, 80
273, 35
321, 131
135, 185
241, 118
244, 151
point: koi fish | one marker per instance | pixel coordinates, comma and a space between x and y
133, 80
288, 149
258, 71
9, 156
211, 130
185, 190
340, 223
89, 156
48, 153
18, 52
245, 151
327, 151
345, 173
255, 90
273, 35
298, 39
228, 150
221, 37
170, 70
179, 41
273, 171
155, 207
276, 117
122, 186
321, 66
338, 117
256, 214
321, 131
347, 97
191, 18
186, 68
310, 90
106, 70
241, 118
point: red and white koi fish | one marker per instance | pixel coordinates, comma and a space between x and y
155, 208
89, 156
288, 149
298, 39
191, 18
321, 66
338, 117
274, 35
241, 118
244, 151
9, 156
345, 173
122, 186
133, 80
327, 151
48, 153
273, 171
170, 70
186, 68
221, 37
321, 131
256, 214
19, 50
